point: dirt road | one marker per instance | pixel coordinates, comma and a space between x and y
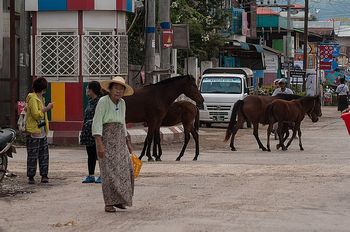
247, 190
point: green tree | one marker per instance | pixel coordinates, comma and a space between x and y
205, 19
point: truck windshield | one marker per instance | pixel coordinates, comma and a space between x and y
232, 85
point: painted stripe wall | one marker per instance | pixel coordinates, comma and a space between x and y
75, 5
69, 99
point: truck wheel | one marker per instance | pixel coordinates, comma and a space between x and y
208, 124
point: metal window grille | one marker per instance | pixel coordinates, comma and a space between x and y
105, 55
57, 56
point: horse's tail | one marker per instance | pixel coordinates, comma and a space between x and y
196, 121
237, 107
268, 113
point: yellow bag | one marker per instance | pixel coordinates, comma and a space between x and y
137, 164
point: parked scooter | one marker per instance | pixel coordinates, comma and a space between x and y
7, 137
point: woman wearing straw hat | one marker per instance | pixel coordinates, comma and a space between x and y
112, 145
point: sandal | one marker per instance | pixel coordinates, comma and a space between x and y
110, 209
120, 206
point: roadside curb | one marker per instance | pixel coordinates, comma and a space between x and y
137, 135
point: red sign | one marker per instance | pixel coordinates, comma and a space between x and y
326, 52
325, 65
168, 38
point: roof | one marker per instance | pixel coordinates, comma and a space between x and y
272, 50
266, 11
244, 71
76, 5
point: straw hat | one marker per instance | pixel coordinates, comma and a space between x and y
118, 80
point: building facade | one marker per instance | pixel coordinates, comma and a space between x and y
74, 42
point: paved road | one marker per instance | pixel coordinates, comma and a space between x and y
247, 190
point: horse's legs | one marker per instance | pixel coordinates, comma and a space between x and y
300, 144
160, 152
144, 148
269, 130
294, 134
238, 125
150, 136
280, 132
155, 140
196, 140
187, 139
256, 135
156, 144
285, 136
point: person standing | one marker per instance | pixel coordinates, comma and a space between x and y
282, 88
37, 127
113, 146
93, 91
342, 95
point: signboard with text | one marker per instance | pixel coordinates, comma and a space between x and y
168, 38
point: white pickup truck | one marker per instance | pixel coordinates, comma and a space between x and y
221, 88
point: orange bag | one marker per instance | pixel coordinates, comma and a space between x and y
137, 164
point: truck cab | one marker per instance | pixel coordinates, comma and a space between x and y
221, 88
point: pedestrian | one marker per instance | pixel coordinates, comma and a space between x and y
342, 95
282, 88
37, 127
93, 91
113, 145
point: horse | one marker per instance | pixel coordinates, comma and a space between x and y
180, 112
251, 109
282, 111
151, 103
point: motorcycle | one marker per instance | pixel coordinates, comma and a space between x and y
7, 137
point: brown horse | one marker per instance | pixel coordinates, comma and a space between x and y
180, 112
281, 111
151, 103
251, 109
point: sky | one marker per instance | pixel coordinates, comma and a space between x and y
328, 9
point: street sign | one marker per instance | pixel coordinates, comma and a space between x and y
168, 38
297, 76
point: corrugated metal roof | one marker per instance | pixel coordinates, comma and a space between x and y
344, 31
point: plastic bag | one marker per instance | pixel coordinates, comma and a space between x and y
21, 123
137, 164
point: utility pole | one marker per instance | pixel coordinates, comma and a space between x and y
165, 24
288, 42
1, 36
306, 37
24, 71
150, 20
13, 84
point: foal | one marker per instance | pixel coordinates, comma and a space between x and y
180, 112
282, 111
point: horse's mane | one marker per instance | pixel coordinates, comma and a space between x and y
170, 80
288, 97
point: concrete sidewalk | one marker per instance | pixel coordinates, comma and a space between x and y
137, 135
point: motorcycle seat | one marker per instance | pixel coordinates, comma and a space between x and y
6, 136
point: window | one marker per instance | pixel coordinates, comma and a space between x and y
104, 54
230, 85
57, 55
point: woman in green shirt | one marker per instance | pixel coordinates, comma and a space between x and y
112, 145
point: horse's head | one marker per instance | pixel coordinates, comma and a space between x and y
315, 110
190, 89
